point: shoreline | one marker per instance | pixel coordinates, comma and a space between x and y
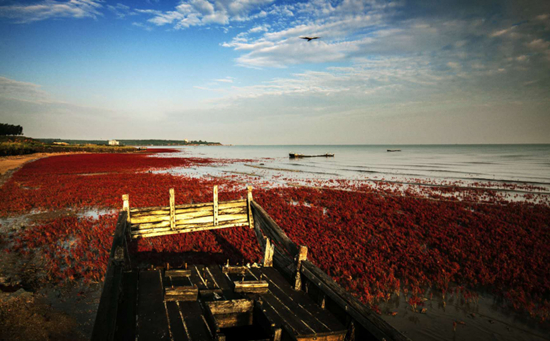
10, 164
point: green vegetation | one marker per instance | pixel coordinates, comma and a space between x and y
10, 129
135, 142
12, 145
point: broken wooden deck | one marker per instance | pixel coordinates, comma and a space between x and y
280, 310
287, 297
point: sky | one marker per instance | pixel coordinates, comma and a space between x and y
237, 71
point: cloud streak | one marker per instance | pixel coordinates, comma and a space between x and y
49, 9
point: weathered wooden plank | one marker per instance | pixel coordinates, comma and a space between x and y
195, 322
181, 293
359, 312
176, 322
106, 317
222, 282
190, 229
296, 302
282, 288
272, 230
253, 287
126, 315
177, 273
159, 218
290, 320
197, 278
152, 320
208, 205
242, 305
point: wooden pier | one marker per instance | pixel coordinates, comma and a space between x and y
287, 297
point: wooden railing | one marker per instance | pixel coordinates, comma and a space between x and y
160, 221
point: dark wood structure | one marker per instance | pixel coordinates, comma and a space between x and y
299, 156
285, 298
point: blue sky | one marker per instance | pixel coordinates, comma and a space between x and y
236, 71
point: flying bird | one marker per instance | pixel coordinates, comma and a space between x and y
309, 38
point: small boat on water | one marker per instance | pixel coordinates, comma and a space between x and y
393, 150
297, 156
286, 297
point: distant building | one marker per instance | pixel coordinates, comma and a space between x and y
113, 143
185, 141
61, 143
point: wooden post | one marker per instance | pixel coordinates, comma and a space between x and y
126, 205
277, 334
215, 205
268, 256
248, 201
172, 209
302, 255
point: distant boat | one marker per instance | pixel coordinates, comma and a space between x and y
393, 150
297, 156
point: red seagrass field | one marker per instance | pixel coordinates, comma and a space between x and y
376, 241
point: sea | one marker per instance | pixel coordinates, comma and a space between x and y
521, 168
522, 164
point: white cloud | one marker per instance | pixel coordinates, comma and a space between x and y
202, 12
25, 13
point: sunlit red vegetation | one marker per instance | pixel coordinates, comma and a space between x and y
373, 241
98, 180
376, 244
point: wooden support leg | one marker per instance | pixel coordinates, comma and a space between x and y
215, 201
302, 255
249, 212
172, 209
268, 256
277, 334
126, 205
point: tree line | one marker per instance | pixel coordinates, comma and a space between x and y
10, 129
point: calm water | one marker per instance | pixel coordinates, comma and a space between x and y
498, 163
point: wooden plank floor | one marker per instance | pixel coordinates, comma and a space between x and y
293, 311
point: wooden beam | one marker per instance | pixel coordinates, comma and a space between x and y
251, 287
185, 206
215, 205
350, 304
172, 209
302, 256
242, 305
126, 205
268, 255
190, 229
178, 273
